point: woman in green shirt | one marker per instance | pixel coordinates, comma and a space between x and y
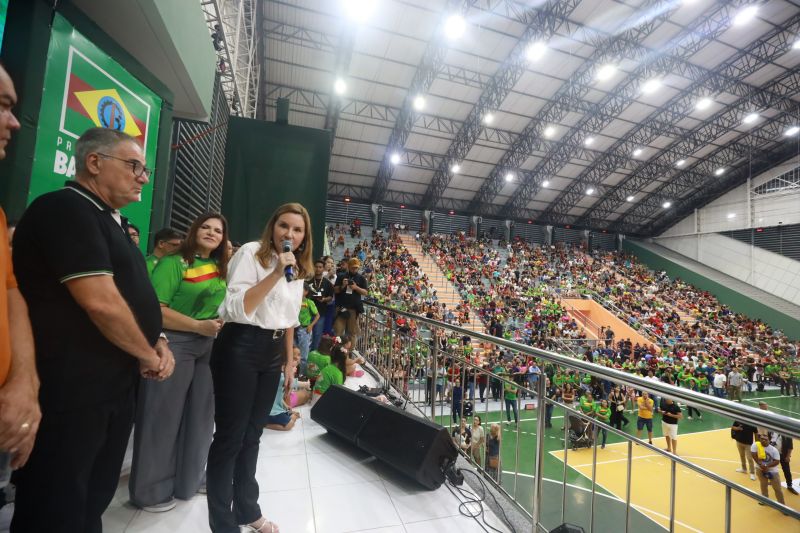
175, 417
333, 374
602, 412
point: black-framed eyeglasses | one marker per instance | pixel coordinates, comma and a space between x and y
138, 168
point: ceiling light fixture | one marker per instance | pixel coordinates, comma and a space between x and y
745, 15
651, 86
719, 172
395, 159
588, 141
455, 168
731, 215
749, 119
629, 199
488, 118
680, 162
359, 10
549, 131
590, 191
419, 103
605, 72
667, 204
791, 132
796, 45
638, 152
509, 177
339, 86
535, 51
546, 184
703, 103
454, 27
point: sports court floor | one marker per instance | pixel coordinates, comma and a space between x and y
700, 502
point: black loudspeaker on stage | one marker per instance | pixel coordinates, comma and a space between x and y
416, 447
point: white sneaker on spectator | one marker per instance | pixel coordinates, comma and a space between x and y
753, 477
741, 470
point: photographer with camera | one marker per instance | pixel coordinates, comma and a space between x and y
349, 288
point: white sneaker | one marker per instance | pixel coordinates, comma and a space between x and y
690, 418
753, 477
741, 470
161, 507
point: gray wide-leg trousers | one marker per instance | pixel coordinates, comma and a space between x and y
174, 425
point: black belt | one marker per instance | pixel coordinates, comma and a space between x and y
276, 333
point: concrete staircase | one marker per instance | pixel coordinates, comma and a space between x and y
445, 290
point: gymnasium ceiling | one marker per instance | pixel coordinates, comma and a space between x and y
595, 105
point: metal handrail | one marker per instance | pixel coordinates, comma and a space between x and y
723, 407
784, 425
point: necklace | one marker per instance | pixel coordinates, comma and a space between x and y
317, 285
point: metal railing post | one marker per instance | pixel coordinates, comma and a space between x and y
672, 481
388, 363
564, 477
628, 487
435, 362
594, 477
541, 408
727, 510
516, 453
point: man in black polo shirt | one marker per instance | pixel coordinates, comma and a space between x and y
350, 287
96, 324
321, 292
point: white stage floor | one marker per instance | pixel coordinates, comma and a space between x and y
312, 482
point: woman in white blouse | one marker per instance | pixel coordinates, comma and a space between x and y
260, 311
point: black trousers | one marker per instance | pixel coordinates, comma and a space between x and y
246, 366
73, 472
787, 471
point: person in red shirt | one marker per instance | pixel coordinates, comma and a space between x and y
19, 383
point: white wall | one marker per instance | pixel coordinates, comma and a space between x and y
769, 272
696, 236
763, 210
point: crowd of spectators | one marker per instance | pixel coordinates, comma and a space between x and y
693, 334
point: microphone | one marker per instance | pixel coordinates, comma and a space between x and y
288, 271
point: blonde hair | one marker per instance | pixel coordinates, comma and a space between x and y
494, 430
304, 252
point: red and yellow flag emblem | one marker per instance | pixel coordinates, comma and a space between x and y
201, 273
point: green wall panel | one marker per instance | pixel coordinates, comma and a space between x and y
269, 164
733, 299
25, 54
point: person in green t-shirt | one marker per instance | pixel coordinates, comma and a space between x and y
587, 403
333, 374
702, 382
510, 395
190, 285
319, 358
302, 333
166, 241
602, 412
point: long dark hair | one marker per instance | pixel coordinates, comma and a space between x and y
219, 254
339, 358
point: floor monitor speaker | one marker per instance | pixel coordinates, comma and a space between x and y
412, 445
343, 412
